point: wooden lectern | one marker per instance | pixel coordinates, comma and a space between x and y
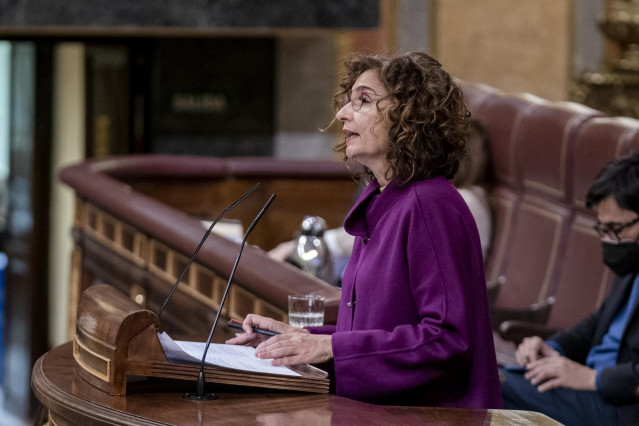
69, 400
115, 338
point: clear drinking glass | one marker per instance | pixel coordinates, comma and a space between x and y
306, 311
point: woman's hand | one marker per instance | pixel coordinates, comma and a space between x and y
249, 337
296, 348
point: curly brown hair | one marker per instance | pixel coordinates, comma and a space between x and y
427, 114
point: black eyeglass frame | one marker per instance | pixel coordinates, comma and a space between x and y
359, 100
612, 233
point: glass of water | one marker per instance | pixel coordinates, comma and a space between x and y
306, 311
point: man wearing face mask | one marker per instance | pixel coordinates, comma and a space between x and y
589, 374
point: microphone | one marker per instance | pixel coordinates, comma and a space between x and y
206, 235
200, 395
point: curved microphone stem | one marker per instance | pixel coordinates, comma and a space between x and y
200, 394
206, 235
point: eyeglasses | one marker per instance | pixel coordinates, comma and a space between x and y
359, 99
612, 230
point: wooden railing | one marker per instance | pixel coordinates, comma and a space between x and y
127, 234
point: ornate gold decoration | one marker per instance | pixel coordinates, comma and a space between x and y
615, 89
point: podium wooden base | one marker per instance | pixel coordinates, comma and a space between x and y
116, 338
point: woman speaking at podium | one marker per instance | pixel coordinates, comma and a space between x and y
413, 325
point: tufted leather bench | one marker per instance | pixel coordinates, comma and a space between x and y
545, 155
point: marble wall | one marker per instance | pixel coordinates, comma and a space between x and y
523, 45
304, 85
192, 13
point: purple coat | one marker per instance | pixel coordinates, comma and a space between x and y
413, 326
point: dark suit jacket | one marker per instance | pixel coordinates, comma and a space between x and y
619, 385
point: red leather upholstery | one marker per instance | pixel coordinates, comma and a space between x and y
545, 143
583, 279
631, 137
532, 252
545, 156
597, 142
501, 115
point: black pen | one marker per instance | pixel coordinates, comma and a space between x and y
238, 324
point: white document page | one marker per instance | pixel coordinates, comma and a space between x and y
229, 356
